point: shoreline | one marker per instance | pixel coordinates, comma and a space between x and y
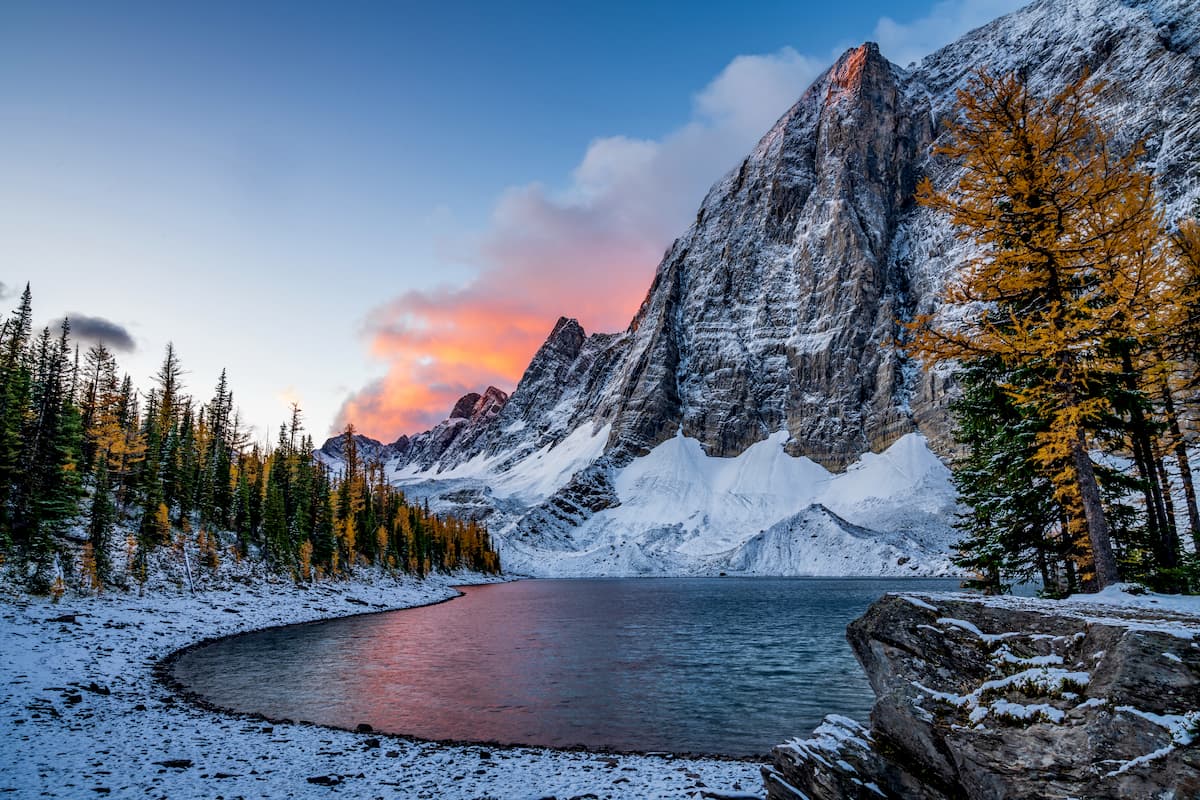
90, 709
163, 673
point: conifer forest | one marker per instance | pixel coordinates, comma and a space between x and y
97, 476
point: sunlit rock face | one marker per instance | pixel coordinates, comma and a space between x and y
779, 308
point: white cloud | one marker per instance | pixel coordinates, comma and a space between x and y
628, 197
906, 42
753, 91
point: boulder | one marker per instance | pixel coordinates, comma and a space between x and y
983, 699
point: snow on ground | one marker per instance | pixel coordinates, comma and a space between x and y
762, 512
1120, 595
81, 715
1121, 605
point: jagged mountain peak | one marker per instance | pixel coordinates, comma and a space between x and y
565, 338
334, 448
767, 332
856, 68
465, 406
473, 404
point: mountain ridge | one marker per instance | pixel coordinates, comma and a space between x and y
775, 313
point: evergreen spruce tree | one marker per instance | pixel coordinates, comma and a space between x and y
275, 525
49, 499
216, 483
1011, 532
151, 532
100, 523
323, 539
15, 387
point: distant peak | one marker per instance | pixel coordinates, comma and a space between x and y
465, 405
565, 339
865, 51
566, 325
492, 394
472, 404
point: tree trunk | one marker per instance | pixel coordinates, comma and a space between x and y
1072, 582
1049, 585
1170, 534
1185, 467
1161, 465
1142, 460
1105, 564
1160, 526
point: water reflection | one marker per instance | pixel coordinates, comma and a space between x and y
728, 665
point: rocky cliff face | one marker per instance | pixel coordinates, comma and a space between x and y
776, 311
1007, 698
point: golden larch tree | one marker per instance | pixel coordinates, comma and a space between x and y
1064, 275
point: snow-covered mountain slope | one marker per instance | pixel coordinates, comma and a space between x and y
528, 479
762, 355
680, 511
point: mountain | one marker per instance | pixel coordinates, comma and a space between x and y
756, 397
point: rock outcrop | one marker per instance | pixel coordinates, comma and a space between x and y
981, 699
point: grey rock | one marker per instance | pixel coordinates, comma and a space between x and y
986, 699
334, 448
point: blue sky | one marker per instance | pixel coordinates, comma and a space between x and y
310, 193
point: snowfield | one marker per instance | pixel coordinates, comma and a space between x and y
82, 715
529, 479
682, 512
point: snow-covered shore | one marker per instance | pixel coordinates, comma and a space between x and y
82, 715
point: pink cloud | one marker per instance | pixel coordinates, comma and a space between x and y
587, 251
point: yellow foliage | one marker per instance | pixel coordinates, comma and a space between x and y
162, 523
206, 543
349, 537
87, 568
1069, 277
381, 542
306, 550
131, 549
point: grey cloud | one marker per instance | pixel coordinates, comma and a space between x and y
99, 329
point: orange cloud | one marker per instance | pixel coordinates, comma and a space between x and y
443, 344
